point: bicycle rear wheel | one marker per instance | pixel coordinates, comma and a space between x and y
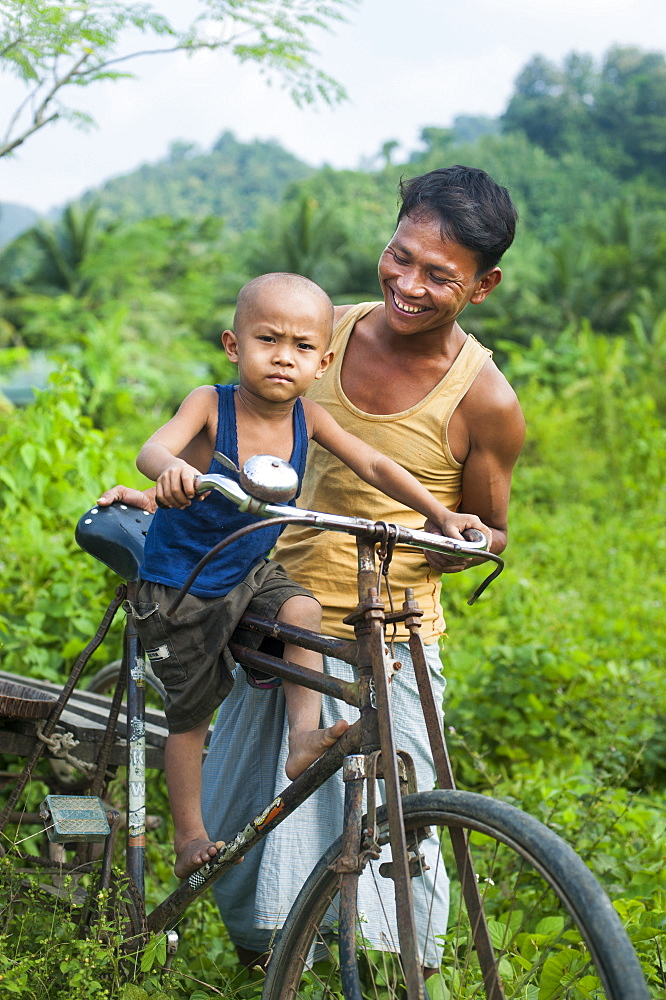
554, 930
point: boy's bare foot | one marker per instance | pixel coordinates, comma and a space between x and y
193, 854
306, 747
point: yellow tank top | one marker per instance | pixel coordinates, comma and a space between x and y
325, 561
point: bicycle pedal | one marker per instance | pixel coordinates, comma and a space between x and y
80, 818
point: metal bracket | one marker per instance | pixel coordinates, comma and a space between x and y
416, 862
171, 947
371, 607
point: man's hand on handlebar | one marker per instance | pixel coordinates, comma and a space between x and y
453, 525
162, 495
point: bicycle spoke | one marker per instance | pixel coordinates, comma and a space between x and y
535, 922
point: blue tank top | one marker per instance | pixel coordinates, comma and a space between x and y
177, 539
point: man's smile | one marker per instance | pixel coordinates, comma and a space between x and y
403, 306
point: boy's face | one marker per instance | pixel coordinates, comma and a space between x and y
282, 345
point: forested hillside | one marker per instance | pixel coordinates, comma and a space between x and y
14, 219
234, 180
557, 686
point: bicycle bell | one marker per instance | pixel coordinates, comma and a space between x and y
269, 478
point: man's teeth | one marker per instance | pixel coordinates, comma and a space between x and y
403, 307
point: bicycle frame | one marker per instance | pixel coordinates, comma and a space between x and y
368, 740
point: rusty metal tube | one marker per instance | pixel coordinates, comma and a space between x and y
297, 674
353, 775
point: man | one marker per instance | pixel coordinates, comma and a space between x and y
407, 379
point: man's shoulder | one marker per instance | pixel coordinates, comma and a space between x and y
490, 406
340, 311
491, 391
492, 411
365, 307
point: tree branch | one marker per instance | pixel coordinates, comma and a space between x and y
11, 45
9, 146
38, 119
281, 45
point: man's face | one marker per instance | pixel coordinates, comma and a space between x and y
427, 281
283, 346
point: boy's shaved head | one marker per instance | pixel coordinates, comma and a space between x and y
254, 292
282, 328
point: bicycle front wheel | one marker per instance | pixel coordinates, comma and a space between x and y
554, 930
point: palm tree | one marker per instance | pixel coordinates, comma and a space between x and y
63, 247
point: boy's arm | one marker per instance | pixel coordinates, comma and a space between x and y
386, 475
158, 459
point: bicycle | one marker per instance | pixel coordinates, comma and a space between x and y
529, 921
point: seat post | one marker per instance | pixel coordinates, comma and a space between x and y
136, 751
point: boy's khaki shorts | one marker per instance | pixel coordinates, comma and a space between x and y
188, 651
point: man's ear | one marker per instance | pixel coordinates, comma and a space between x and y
324, 363
486, 284
230, 344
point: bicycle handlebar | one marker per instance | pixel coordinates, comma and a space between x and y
338, 522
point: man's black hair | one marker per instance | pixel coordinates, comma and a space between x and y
472, 209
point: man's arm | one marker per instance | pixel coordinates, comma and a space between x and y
496, 434
143, 499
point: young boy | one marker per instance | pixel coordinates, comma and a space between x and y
282, 328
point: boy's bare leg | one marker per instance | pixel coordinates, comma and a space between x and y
182, 765
307, 742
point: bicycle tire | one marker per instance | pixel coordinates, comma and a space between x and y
557, 936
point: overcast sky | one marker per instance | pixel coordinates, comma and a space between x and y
405, 65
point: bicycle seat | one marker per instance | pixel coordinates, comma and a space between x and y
115, 535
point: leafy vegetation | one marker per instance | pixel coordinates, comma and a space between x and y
54, 47
557, 684
234, 180
611, 115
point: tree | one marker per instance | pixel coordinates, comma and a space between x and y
436, 139
629, 108
613, 115
469, 128
54, 47
63, 248
388, 149
553, 106
233, 180
301, 236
